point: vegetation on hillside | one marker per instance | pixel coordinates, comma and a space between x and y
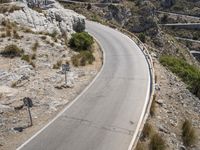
81, 41
188, 133
11, 51
188, 73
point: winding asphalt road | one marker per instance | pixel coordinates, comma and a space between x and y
105, 116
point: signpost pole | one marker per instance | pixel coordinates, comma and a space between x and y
28, 102
66, 77
29, 112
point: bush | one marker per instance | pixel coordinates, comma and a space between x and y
188, 133
147, 131
26, 58
81, 41
57, 65
157, 143
11, 51
142, 37
188, 73
85, 57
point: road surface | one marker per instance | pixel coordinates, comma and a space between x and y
106, 115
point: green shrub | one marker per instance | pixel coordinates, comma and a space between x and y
26, 58
188, 73
11, 51
142, 37
85, 57
157, 143
188, 133
81, 41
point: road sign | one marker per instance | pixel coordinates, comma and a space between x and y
65, 67
27, 102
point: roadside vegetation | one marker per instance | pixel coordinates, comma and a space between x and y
188, 133
147, 131
11, 51
153, 106
82, 43
157, 143
188, 73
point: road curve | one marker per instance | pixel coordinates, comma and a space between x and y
105, 116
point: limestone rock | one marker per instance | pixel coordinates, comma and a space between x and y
53, 19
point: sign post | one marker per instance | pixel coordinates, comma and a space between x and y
65, 68
28, 102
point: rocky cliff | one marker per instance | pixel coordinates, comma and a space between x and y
49, 18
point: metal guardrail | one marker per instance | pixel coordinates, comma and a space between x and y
152, 78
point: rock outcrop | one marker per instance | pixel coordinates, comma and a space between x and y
52, 18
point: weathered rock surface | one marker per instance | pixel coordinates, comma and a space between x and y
53, 19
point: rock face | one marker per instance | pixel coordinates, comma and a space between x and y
119, 14
53, 18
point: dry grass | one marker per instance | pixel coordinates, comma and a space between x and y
157, 143
147, 131
15, 34
140, 146
35, 46
8, 8
57, 65
153, 106
188, 133
32, 64
83, 58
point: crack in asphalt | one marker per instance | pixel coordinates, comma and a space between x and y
110, 128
